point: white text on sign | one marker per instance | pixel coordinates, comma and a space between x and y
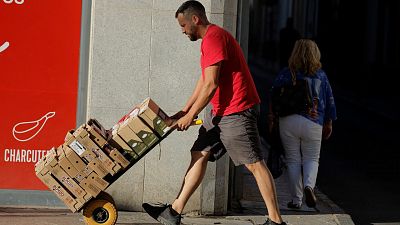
19, 2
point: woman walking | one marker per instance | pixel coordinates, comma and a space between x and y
302, 133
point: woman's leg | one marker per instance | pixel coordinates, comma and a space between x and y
289, 128
311, 146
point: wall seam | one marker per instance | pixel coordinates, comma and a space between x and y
148, 93
90, 60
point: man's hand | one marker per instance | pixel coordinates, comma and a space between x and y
172, 121
185, 122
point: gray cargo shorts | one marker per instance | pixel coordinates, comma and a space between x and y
236, 134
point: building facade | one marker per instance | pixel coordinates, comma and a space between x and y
128, 51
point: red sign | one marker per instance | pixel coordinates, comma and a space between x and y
39, 66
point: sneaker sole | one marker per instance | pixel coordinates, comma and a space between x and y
147, 208
165, 222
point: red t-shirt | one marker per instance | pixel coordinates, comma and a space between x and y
236, 89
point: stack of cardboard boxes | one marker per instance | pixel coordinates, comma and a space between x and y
91, 156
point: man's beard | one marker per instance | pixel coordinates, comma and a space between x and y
192, 37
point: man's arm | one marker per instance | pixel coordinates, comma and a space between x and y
204, 94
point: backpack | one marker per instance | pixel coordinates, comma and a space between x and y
292, 98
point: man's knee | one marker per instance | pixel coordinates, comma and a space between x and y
253, 167
200, 155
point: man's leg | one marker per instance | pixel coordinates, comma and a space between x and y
267, 189
194, 176
170, 214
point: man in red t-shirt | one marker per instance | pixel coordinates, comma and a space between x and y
231, 125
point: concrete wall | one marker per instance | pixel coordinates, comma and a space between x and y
137, 50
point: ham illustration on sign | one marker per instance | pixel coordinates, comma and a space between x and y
19, 2
4, 46
25, 131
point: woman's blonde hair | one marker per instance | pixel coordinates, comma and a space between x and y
305, 57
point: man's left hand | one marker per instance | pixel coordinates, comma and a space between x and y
184, 122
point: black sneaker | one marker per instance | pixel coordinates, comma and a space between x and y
270, 222
163, 213
311, 199
292, 205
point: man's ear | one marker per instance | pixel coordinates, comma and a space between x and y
195, 19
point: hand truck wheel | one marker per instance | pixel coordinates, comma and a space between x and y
105, 196
100, 212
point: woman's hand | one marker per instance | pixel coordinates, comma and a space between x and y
270, 122
313, 114
327, 130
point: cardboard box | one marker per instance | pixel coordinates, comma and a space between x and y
98, 168
86, 148
51, 158
142, 131
39, 163
60, 192
130, 137
40, 168
132, 113
68, 167
118, 157
117, 142
98, 181
100, 154
46, 164
81, 132
69, 135
154, 116
84, 152
89, 187
117, 167
68, 182
80, 203
94, 134
98, 127
74, 158
83, 174
75, 145
88, 156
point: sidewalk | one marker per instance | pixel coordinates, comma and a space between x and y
327, 213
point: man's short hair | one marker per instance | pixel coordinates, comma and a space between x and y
192, 7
